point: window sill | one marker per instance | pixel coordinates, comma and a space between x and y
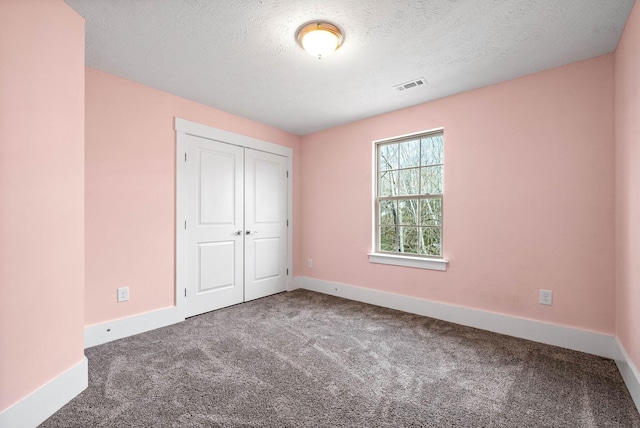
407, 261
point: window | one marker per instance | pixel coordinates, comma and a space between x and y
408, 200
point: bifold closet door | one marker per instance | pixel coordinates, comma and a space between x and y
265, 214
214, 225
236, 224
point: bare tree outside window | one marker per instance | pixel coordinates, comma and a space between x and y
409, 195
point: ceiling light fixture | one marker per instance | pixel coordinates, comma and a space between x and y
319, 39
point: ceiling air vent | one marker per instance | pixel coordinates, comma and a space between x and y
411, 84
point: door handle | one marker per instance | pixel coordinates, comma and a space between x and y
239, 232
252, 232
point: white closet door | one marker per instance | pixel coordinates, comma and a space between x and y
265, 224
214, 226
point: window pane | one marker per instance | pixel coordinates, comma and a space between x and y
409, 240
408, 212
409, 200
432, 153
432, 180
431, 241
409, 182
388, 157
388, 238
388, 212
388, 183
409, 154
431, 212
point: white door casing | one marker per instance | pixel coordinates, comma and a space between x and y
260, 277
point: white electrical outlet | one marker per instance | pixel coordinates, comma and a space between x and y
546, 297
123, 294
309, 263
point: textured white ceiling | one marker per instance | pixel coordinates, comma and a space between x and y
241, 56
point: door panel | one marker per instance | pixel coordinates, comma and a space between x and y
267, 180
217, 187
265, 224
214, 240
216, 265
267, 258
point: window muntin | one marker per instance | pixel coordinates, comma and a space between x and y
410, 173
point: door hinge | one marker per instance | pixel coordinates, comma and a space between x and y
185, 157
287, 174
185, 224
287, 222
287, 271
185, 292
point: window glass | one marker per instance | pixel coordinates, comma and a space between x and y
410, 194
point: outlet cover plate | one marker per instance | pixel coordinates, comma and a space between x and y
546, 297
123, 294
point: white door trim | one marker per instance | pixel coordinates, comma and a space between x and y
185, 127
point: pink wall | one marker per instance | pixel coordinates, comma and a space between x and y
41, 194
130, 190
529, 198
627, 108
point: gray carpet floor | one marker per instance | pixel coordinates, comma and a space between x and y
303, 359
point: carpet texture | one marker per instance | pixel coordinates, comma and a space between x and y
303, 359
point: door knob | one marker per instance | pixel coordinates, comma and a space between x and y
239, 232
251, 232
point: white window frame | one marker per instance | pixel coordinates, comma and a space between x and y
414, 261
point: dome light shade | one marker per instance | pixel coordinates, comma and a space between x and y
319, 39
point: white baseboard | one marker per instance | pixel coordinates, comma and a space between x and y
629, 373
294, 284
98, 334
566, 337
36, 407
